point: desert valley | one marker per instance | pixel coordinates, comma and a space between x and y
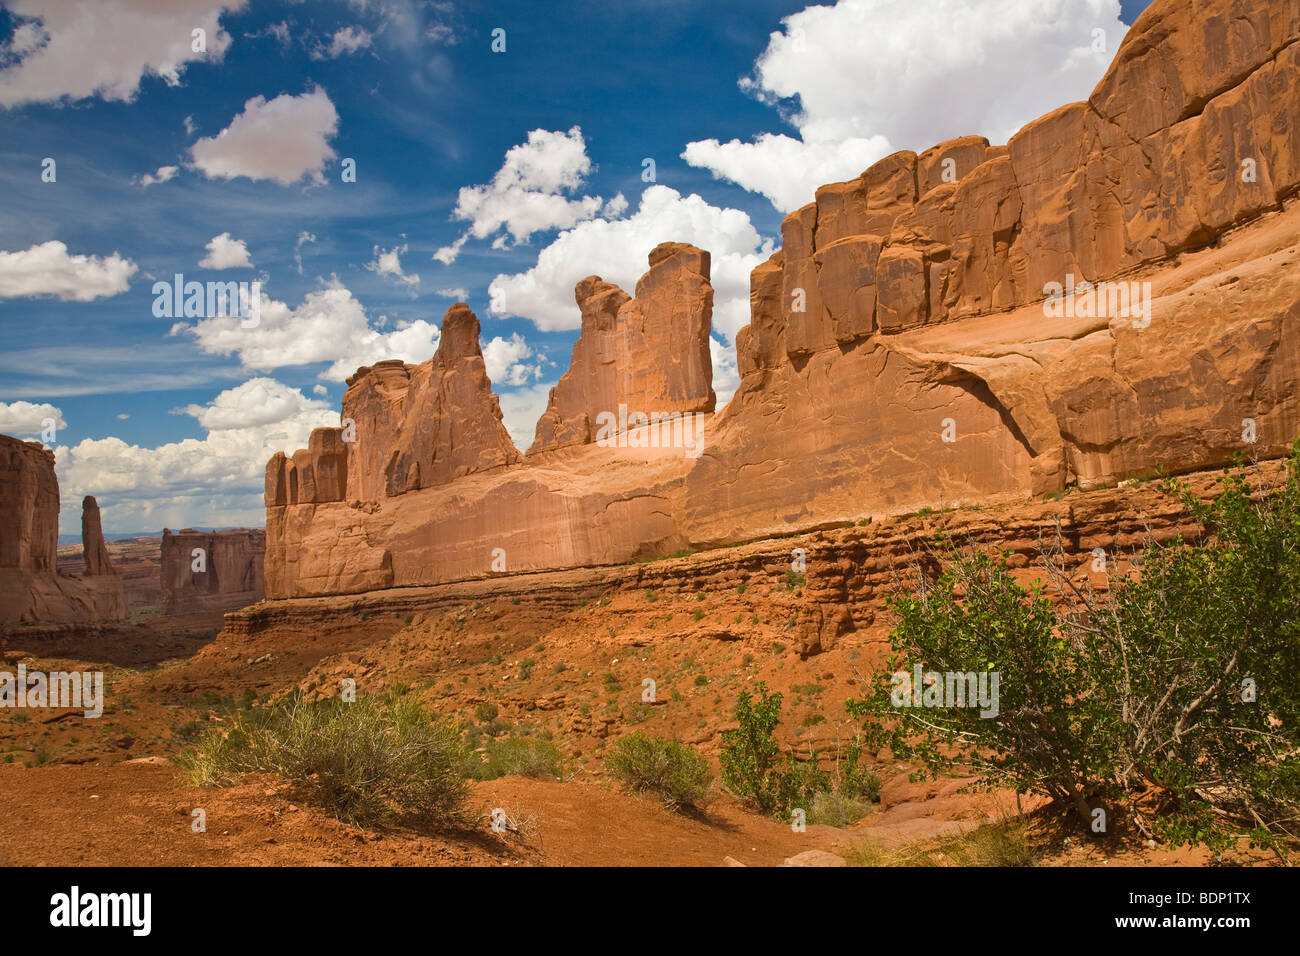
662, 632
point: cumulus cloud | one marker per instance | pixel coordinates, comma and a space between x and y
76, 49
164, 174
329, 325
388, 262
529, 193
226, 253
346, 41
259, 401
617, 249
283, 139
23, 419
212, 481
459, 294
863, 78
520, 409
505, 363
47, 269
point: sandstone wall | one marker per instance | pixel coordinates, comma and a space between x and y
649, 353
233, 570
906, 299
31, 589
900, 351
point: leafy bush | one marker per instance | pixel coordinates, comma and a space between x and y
370, 762
520, 757
486, 712
751, 766
663, 766
1147, 691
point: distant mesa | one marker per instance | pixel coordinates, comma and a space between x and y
211, 571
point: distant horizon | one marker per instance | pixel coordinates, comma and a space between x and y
123, 535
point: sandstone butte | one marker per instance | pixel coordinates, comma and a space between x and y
231, 575
900, 351
31, 589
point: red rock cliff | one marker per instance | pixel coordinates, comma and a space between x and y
1113, 292
31, 589
650, 353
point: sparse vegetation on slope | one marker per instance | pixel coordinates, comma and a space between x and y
370, 762
665, 767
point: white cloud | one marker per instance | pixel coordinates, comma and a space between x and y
726, 376
346, 41
28, 418
259, 401
459, 294
616, 250
214, 481
320, 390
122, 416
528, 192
329, 325
47, 269
284, 139
785, 170
164, 174
226, 253
82, 48
863, 78
504, 359
520, 409
387, 262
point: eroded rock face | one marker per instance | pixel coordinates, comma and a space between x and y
649, 353
31, 589
93, 548
206, 571
923, 364
902, 351
420, 426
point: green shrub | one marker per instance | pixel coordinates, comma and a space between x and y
667, 768
520, 757
1148, 690
370, 762
751, 765
835, 809
486, 712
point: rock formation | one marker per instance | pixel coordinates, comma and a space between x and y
31, 589
93, 548
210, 571
649, 353
1113, 292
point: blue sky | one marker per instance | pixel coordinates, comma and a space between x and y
172, 425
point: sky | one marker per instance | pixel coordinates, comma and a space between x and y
370, 162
